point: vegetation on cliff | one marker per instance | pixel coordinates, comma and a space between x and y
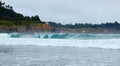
12, 21
87, 27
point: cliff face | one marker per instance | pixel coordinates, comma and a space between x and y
27, 29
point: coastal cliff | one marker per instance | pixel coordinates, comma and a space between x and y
10, 21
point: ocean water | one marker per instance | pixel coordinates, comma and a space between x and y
59, 49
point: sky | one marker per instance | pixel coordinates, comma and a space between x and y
69, 11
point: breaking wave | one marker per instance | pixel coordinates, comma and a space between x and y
105, 41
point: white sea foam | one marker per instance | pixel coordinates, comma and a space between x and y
4, 35
107, 44
113, 43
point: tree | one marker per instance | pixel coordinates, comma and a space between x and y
116, 23
36, 18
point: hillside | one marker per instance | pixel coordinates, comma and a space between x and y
10, 21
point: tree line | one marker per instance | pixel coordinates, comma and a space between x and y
115, 25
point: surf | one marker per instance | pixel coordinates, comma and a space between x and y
108, 41
86, 36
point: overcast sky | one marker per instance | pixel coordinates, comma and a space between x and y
69, 11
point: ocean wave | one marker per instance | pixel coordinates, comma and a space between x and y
60, 36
